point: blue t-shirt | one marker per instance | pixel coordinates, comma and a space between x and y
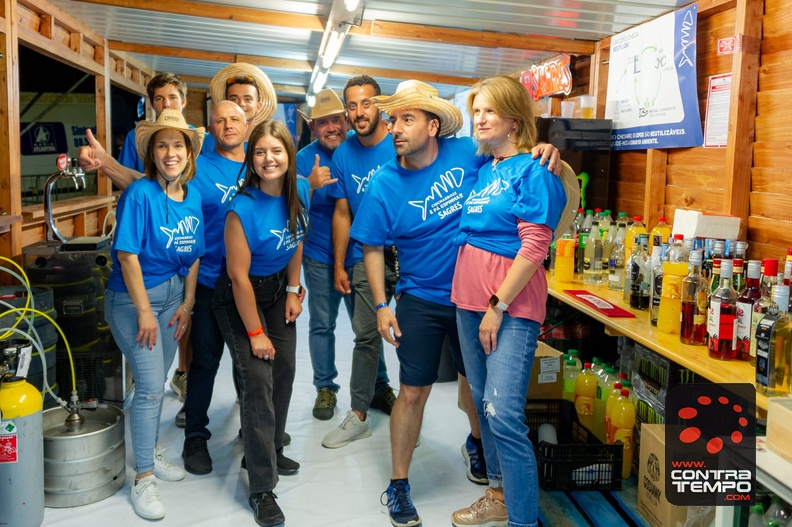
319, 241
354, 165
265, 220
167, 243
129, 155
420, 210
518, 188
216, 181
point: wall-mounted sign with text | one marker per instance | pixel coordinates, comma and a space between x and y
550, 78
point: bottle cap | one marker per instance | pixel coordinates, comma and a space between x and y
789, 250
757, 509
625, 393
754, 268
781, 296
624, 215
596, 360
589, 211
718, 246
597, 210
587, 366
626, 384
617, 385
696, 257
661, 219
622, 375
610, 371
770, 267
679, 236
726, 268
572, 352
637, 218
571, 362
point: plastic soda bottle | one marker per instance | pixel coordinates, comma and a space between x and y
614, 394
633, 231
604, 387
573, 354
668, 317
570, 376
585, 393
662, 230
620, 428
756, 519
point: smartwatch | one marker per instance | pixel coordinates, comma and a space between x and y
296, 289
495, 302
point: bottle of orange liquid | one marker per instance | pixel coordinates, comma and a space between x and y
612, 396
633, 231
585, 393
604, 387
620, 428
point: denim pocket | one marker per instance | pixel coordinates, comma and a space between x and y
223, 292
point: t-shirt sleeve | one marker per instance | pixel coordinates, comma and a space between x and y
131, 226
304, 192
129, 154
303, 165
209, 143
338, 189
371, 225
540, 196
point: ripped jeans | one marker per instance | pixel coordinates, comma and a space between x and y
149, 366
499, 383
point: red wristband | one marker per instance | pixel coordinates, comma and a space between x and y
259, 331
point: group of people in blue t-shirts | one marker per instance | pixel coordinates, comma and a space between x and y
472, 224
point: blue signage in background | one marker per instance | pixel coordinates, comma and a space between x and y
288, 114
44, 139
652, 87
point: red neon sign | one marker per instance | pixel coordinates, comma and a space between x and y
550, 78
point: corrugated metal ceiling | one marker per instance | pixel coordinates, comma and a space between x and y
589, 20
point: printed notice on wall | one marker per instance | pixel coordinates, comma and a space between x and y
652, 93
716, 124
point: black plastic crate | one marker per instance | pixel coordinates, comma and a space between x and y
579, 461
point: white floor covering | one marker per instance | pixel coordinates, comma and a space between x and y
333, 488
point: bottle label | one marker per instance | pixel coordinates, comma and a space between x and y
569, 385
763, 332
720, 326
743, 326
756, 317
657, 290
672, 286
584, 405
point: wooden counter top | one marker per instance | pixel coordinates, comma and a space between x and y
695, 358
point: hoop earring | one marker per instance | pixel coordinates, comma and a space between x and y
508, 136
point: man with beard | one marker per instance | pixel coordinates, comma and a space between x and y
354, 161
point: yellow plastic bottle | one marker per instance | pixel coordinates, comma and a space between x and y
669, 314
633, 231
604, 387
585, 393
570, 376
612, 396
620, 428
661, 229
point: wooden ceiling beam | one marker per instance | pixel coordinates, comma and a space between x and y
295, 65
280, 88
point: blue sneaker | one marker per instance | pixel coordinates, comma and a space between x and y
400, 507
476, 465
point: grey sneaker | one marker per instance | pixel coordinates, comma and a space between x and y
350, 430
324, 407
178, 384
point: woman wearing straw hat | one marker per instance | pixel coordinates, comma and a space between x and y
249, 87
500, 291
257, 300
151, 290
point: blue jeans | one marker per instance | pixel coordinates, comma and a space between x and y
149, 366
323, 302
499, 384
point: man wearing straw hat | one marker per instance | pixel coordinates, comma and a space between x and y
248, 86
415, 200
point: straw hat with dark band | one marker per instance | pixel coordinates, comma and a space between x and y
327, 103
422, 96
168, 119
572, 190
267, 96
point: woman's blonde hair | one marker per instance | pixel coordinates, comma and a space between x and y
509, 99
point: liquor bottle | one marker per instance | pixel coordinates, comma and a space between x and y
678, 251
662, 230
738, 279
717, 257
709, 248
616, 267
721, 316
633, 231
640, 275
760, 307
655, 279
745, 304
774, 346
693, 329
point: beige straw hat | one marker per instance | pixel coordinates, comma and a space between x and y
168, 119
572, 189
327, 103
227, 75
417, 94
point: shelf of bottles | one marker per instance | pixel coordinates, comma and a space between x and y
700, 302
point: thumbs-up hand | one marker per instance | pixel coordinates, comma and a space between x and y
320, 176
90, 157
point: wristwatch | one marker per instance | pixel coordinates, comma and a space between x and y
495, 302
296, 289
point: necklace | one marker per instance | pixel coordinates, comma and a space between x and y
502, 158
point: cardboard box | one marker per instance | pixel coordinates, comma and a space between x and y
652, 502
547, 378
697, 224
779, 426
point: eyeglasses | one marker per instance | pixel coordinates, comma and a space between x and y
365, 104
241, 79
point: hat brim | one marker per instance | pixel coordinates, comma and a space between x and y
269, 99
450, 116
145, 130
572, 190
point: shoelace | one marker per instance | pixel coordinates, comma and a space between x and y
325, 398
348, 421
149, 491
398, 500
480, 503
257, 499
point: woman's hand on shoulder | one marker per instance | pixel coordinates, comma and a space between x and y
550, 155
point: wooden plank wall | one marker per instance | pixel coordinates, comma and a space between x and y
770, 220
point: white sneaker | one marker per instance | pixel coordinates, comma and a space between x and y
146, 499
350, 430
165, 469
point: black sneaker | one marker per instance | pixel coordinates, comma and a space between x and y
476, 464
286, 439
196, 456
265, 509
287, 466
383, 400
400, 506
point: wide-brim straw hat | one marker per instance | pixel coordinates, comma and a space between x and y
168, 119
327, 103
572, 189
267, 95
417, 94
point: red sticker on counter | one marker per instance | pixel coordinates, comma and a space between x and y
8, 449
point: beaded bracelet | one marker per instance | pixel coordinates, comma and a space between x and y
184, 307
258, 331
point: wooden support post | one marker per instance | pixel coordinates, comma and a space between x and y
598, 78
104, 186
654, 192
10, 164
742, 112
